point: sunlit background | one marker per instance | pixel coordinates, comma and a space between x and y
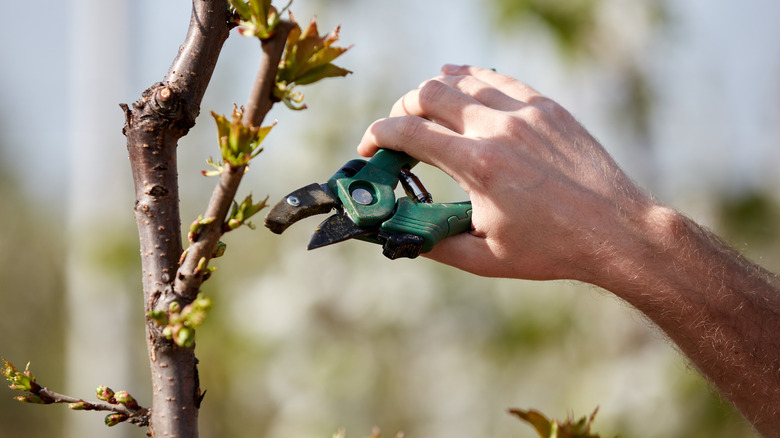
685, 94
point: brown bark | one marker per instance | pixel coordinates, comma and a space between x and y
165, 112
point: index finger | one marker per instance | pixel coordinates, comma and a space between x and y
422, 139
507, 84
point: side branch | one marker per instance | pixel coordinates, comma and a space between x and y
135, 415
261, 98
191, 274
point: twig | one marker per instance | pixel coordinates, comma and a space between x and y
188, 277
56, 397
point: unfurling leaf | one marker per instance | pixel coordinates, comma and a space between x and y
547, 428
238, 143
33, 399
307, 59
257, 18
240, 213
20, 380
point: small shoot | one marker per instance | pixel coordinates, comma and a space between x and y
307, 59
240, 213
257, 18
550, 428
238, 143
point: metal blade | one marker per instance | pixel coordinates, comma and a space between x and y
337, 228
302, 203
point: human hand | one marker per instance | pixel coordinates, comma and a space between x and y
549, 202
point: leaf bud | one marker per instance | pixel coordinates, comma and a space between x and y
32, 398
185, 337
105, 393
114, 419
80, 406
126, 399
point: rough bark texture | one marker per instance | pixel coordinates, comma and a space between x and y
154, 124
165, 112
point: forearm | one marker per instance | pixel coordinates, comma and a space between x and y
722, 311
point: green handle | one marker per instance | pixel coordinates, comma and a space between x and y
368, 195
433, 222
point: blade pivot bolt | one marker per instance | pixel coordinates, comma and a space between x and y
362, 196
294, 201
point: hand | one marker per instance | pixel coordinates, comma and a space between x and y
549, 202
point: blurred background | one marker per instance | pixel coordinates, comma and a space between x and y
685, 95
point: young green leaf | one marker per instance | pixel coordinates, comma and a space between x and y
20, 380
238, 143
307, 59
547, 428
257, 18
240, 213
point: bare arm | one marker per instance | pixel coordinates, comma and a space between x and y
550, 203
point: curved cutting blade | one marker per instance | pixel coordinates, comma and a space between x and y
338, 228
302, 203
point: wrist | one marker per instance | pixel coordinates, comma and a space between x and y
635, 250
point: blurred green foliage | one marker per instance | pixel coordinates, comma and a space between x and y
31, 302
572, 23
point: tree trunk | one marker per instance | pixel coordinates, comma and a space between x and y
165, 112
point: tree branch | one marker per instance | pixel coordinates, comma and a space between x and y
165, 113
137, 415
189, 278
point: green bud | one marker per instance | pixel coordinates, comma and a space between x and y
126, 399
185, 337
31, 398
197, 226
219, 250
195, 313
105, 393
203, 264
80, 406
114, 419
158, 316
183, 255
174, 307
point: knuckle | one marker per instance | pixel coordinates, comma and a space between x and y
431, 91
534, 114
409, 127
483, 159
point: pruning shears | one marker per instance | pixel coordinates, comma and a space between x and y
363, 195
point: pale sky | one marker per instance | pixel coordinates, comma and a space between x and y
718, 73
